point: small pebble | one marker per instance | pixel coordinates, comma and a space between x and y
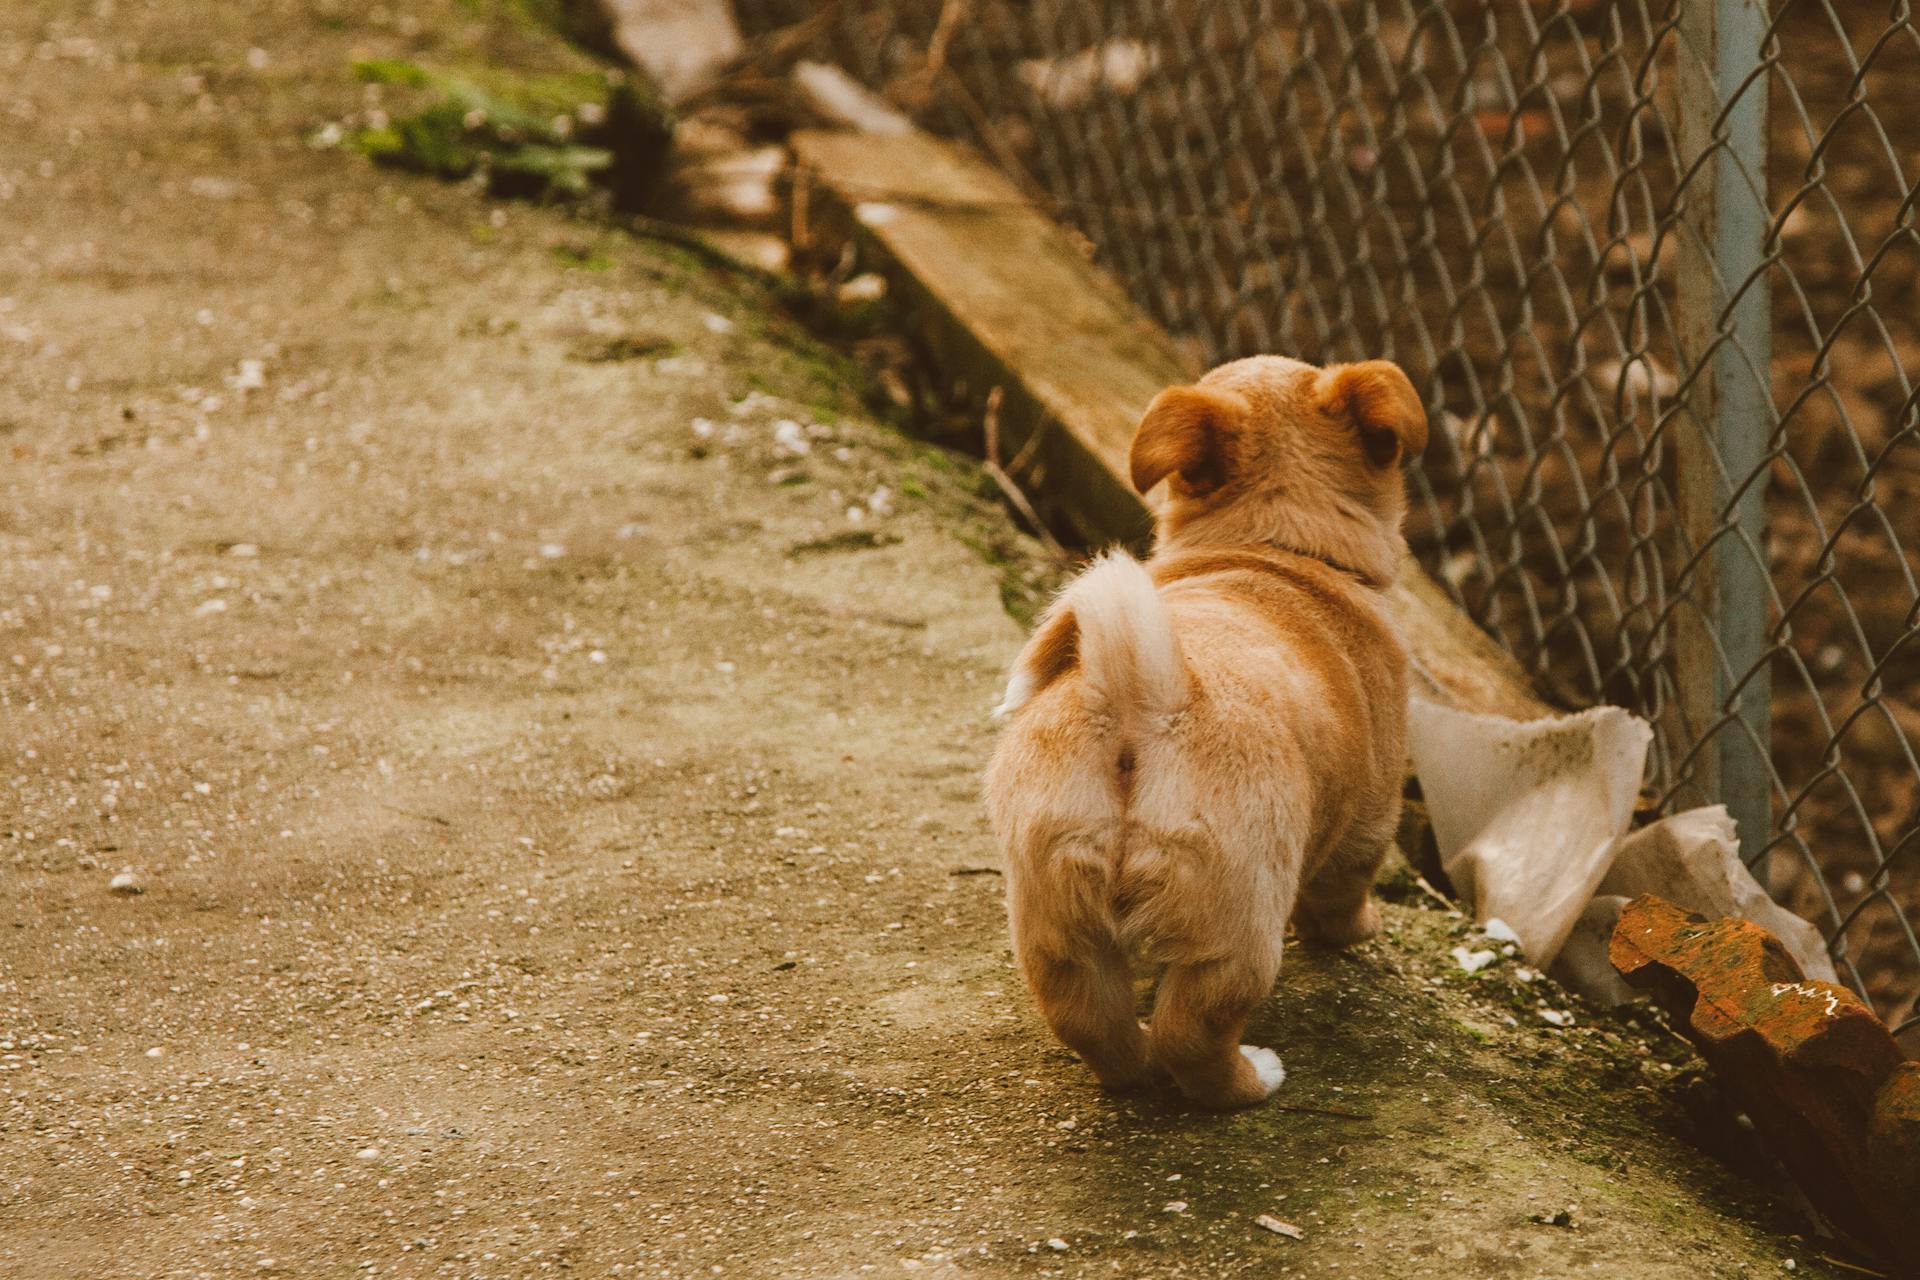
866, 287
252, 376
1472, 961
790, 438
1268, 1222
124, 883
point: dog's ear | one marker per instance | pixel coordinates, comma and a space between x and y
1187, 433
1380, 402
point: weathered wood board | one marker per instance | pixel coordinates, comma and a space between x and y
1007, 299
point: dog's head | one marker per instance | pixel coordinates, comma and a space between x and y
1270, 450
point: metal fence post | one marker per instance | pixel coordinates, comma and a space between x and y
1721, 435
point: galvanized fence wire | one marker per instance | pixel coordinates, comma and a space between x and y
1656, 270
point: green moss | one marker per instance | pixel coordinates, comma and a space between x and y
626, 346
522, 131
674, 263
550, 15
1026, 579
394, 71
846, 540
515, 99
937, 459
581, 257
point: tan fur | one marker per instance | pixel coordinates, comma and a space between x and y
1203, 752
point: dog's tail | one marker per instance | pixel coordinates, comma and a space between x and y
1112, 624
1130, 662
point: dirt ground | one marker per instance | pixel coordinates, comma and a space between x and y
553, 810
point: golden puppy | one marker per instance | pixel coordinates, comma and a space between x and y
1212, 743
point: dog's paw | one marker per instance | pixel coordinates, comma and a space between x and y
1266, 1065
1364, 924
1354, 929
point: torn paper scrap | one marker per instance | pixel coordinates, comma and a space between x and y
1525, 812
1531, 819
1691, 859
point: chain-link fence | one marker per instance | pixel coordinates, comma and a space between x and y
1654, 268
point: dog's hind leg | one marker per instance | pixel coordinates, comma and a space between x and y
1063, 935
1195, 1034
1336, 907
1088, 1001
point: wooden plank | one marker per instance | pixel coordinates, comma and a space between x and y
1454, 661
1006, 299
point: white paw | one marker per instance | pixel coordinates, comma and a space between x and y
1266, 1065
